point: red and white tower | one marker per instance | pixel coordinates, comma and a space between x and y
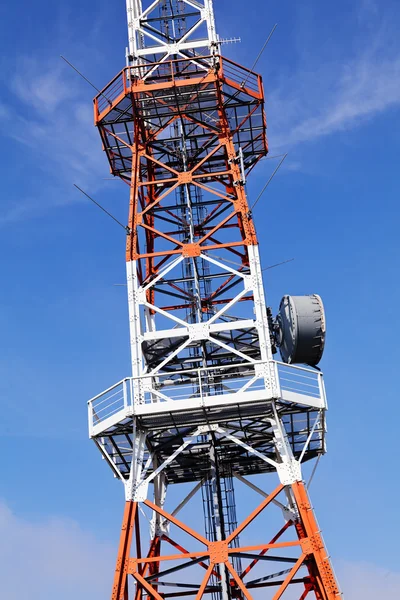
206, 404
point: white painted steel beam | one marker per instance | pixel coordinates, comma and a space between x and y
155, 392
143, 43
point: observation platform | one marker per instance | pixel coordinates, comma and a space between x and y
141, 103
174, 405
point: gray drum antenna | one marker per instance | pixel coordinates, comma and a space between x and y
299, 329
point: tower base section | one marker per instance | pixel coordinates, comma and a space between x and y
291, 562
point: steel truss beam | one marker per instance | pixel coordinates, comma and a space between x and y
309, 570
156, 31
309, 567
246, 444
218, 117
183, 127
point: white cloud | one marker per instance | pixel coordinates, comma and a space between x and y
336, 95
369, 8
53, 558
365, 581
4, 111
51, 116
44, 87
58, 120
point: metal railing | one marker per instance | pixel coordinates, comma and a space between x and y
300, 380
241, 76
280, 380
110, 402
172, 71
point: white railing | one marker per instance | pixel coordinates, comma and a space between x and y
300, 380
273, 379
110, 402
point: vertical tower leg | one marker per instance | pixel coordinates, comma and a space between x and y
216, 557
322, 575
120, 586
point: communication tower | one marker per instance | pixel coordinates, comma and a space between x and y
206, 404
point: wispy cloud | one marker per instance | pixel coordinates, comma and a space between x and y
327, 97
57, 121
364, 89
368, 8
49, 112
43, 87
52, 558
366, 581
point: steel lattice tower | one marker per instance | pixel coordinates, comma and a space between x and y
206, 404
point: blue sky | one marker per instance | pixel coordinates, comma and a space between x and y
332, 81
